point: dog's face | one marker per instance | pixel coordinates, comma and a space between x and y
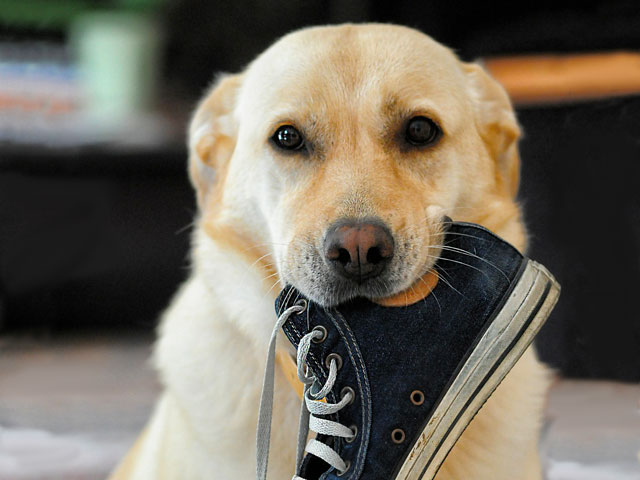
337, 155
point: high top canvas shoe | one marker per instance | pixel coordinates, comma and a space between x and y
389, 390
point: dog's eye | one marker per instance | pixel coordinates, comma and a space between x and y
288, 137
421, 131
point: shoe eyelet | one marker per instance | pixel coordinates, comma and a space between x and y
354, 429
345, 391
346, 469
323, 331
417, 397
303, 304
333, 356
398, 436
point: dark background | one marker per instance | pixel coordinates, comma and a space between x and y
96, 237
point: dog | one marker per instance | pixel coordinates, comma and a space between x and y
330, 123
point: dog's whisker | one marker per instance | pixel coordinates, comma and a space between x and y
286, 301
297, 297
437, 301
406, 296
441, 272
272, 286
465, 264
185, 228
446, 283
465, 252
270, 276
459, 234
423, 299
263, 256
450, 285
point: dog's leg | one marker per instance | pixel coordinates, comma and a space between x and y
154, 453
204, 425
533, 466
127, 467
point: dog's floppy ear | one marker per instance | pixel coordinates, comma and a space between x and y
497, 125
212, 135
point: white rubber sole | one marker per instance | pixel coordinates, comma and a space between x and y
502, 344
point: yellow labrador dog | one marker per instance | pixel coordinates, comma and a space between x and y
330, 122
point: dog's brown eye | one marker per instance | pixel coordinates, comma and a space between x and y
288, 138
422, 131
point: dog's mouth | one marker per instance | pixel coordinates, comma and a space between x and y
381, 290
364, 259
398, 285
340, 291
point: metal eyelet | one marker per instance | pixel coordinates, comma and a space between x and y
323, 331
354, 429
303, 304
345, 391
333, 356
417, 397
346, 468
398, 436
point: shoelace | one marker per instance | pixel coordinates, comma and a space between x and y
311, 406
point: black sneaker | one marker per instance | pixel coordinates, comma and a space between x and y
391, 389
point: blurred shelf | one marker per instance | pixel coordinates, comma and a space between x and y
562, 78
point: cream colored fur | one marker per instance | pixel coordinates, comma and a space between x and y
262, 212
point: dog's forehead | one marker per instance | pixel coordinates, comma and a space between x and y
337, 66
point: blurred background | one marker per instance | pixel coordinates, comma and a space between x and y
95, 205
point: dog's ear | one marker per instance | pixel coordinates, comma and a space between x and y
212, 135
497, 125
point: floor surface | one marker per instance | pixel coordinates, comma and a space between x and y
70, 408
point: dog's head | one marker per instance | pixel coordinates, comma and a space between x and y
339, 151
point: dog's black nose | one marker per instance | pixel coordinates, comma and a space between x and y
358, 249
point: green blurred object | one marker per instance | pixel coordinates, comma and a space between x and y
60, 13
139, 4
118, 57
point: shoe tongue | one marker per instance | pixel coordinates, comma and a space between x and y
420, 289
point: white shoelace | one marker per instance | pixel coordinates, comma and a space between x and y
311, 406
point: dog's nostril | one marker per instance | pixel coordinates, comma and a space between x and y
374, 255
343, 256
